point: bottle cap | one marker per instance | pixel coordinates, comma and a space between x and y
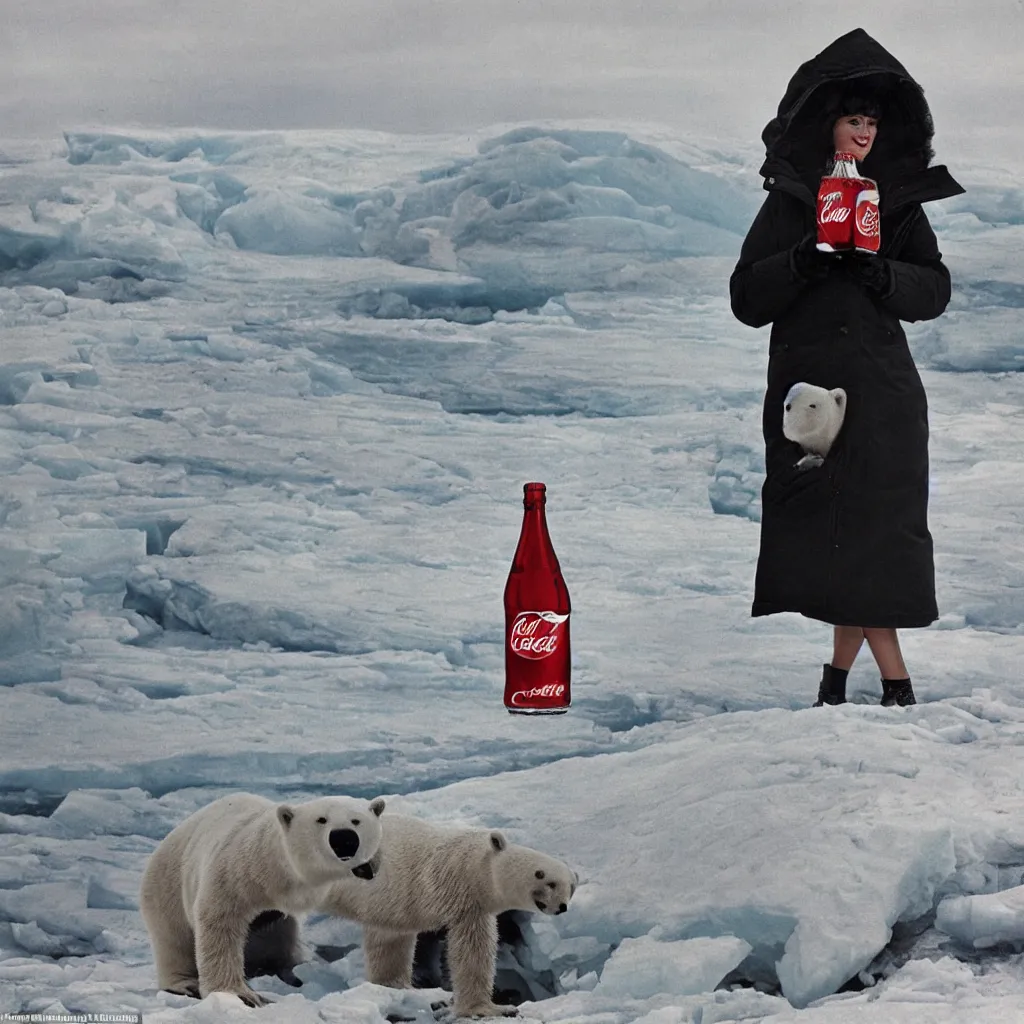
533, 487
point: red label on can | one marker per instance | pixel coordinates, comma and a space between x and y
524, 698
866, 224
837, 199
536, 635
833, 209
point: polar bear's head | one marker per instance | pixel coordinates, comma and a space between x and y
812, 416
526, 879
332, 837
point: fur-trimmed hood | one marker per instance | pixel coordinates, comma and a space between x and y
798, 140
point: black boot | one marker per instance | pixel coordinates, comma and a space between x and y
897, 691
833, 686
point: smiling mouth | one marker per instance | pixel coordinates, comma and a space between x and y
539, 905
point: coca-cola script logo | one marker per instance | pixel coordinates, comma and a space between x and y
867, 218
520, 697
832, 209
535, 635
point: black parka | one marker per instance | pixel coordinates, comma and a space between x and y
847, 543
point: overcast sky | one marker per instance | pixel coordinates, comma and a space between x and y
713, 67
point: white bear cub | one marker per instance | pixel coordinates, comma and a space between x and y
812, 417
236, 859
436, 876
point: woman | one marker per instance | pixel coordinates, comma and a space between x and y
848, 543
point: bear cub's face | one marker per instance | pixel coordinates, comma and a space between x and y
812, 415
554, 885
530, 880
333, 836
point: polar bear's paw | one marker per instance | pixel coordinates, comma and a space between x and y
810, 461
247, 995
185, 988
251, 998
488, 1010
444, 1011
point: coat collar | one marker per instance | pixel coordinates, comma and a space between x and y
927, 186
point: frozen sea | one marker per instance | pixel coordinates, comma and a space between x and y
267, 404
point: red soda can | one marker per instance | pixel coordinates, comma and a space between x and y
537, 652
866, 235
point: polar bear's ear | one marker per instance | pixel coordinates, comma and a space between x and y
498, 841
285, 814
839, 396
377, 806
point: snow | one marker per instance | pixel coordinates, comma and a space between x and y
985, 920
644, 967
267, 403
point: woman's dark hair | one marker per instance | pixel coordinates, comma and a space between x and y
854, 99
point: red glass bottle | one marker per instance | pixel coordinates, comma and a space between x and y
537, 655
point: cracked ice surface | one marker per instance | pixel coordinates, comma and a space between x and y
267, 403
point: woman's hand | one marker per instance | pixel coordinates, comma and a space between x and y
809, 262
873, 272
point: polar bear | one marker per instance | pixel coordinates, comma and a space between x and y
812, 417
435, 876
238, 865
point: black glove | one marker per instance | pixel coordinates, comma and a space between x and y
809, 263
873, 272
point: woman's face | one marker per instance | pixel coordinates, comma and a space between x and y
855, 133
